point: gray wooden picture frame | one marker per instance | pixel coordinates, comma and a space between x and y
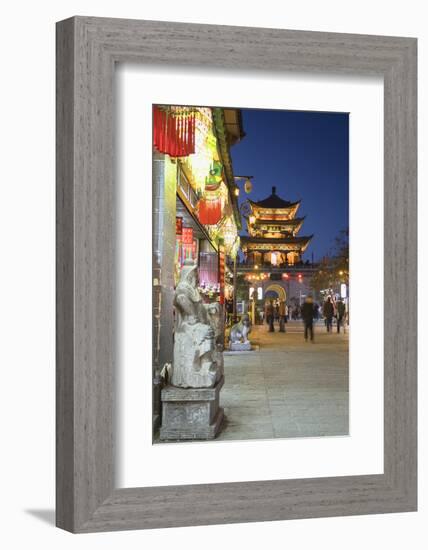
87, 50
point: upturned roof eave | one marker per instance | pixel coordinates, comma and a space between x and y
267, 221
287, 206
289, 240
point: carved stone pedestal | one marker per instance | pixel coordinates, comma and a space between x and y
240, 346
191, 413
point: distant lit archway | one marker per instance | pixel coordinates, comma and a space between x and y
278, 290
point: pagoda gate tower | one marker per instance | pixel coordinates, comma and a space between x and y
273, 250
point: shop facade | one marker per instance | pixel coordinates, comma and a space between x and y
195, 213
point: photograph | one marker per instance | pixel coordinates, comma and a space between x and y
210, 275
251, 300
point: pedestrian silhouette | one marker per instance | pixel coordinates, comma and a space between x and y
282, 315
328, 312
308, 314
270, 315
340, 314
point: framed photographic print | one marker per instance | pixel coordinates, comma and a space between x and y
236, 274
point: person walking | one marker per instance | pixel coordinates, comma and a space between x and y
282, 316
316, 312
270, 315
328, 311
276, 310
266, 315
340, 314
308, 313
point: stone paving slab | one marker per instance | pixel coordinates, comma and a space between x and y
289, 387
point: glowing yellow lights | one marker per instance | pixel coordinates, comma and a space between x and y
256, 267
236, 191
252, 219
256, 277
340, 272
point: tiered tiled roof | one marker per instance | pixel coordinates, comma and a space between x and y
278, 216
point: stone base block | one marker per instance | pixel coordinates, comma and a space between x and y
239, 346
191, 413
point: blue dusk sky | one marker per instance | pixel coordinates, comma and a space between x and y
306, 156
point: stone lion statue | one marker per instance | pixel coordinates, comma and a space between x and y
198, 362
239, 332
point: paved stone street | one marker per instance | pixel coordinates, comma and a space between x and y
289, 387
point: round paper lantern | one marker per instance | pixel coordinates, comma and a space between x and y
248, 186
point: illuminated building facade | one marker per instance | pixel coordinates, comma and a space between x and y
273, 250
195, 211
207, 215
273, 227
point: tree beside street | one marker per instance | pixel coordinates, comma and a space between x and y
333, 270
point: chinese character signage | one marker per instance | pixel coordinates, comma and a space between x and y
178, 226
187, 235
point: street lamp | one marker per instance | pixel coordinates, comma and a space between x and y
248, 186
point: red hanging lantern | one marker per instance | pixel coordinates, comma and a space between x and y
174, 130
210, 210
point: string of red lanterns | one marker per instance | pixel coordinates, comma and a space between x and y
174, 131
